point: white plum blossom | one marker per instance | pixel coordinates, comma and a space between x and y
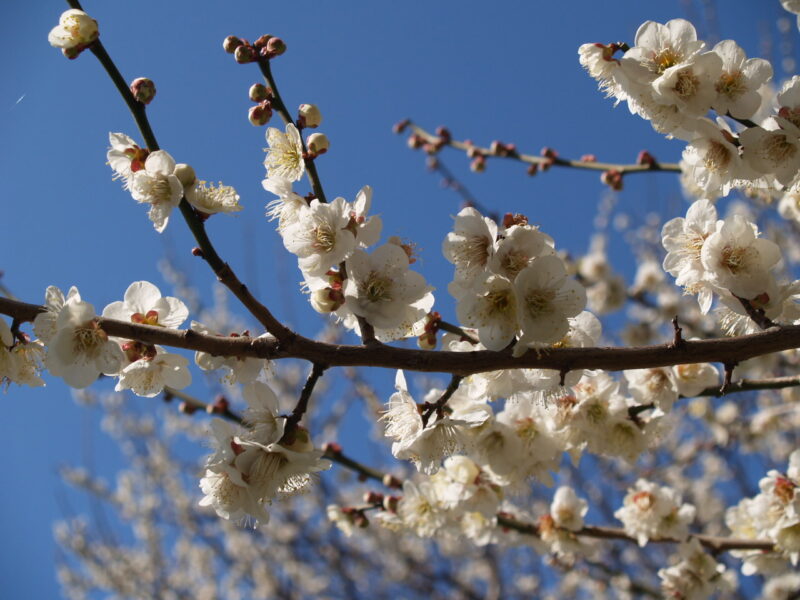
693, 378
735, 259
773, 149
143, 303
683, 239
567, 509
319, 237
690, 85
712, 160
125, 157
211, 199
419, 509
490, 306
286, 207
79, 351
694, 577
75, 31
367, 229
149, 375
653, 386
650, 511
44, 325
285, 153
518, 248
240, 369
381, 289
546, 298
157, 186
471, 244
739, 81
8, 363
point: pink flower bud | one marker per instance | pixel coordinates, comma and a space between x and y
612, 178
392, 481
262, 41
478, 164
645, 158
260, 114
373, 497
231, 43
309, 115
427, 341
143, 90
400, 126
258, 92
244, 54
275, 46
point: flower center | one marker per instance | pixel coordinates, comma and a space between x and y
324, 237
734, 258
539, 302
686, 84
377, 288
664, 60
778, 149
731, 85
717, 157
88, 339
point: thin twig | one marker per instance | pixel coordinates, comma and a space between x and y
302, 404
543, 160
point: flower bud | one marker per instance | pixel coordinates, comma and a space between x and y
231, 43
309, 115
258, 92
317, 143
612, 178
275, 46
390, 503
185, 174
360, 520
244, 54
427, 341
326, 300
645, 158
187, 408
478, 164
143, 90
74, 32
373, 497
392, 482
262, 41
260, 114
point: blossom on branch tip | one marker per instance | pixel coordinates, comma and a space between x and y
143, 303
285, 153
74, 32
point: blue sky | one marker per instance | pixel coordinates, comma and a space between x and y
505, 71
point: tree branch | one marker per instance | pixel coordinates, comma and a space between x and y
468, 147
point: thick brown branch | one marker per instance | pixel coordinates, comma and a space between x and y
718, 350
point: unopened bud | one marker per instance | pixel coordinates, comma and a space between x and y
532, 169
309, 115
443, 133
390, 503
187, 408
196, 251
589, 158
478, 164
360, 520
400, 126
275, 46
645, 158
373, 497
258, 92
262, 41
415, 141
326, 300
331, 448
185, 174
231, 43
260, 114
143, 90
244, 54
318, 143
612, 178
219, 407
392, 481
427, 341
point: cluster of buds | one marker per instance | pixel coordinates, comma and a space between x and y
261, 113
612, 178
267, 46
143, 90
478, 160
498, 148
427, 341
550, 156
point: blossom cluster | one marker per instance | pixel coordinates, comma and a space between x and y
672, 79
330, 242
155, 179
773, 514
253, 465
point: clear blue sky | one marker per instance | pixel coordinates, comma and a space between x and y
504, 71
